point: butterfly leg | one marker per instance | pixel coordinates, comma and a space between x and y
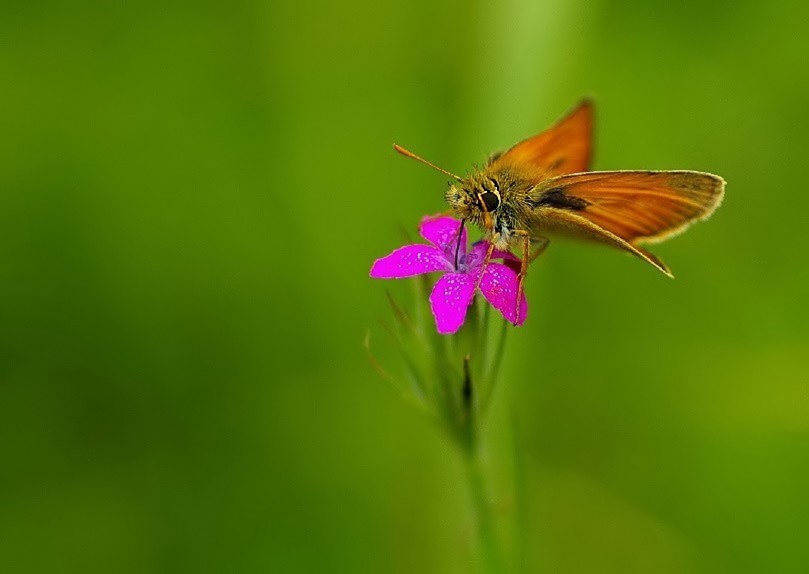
486, 260
543, 243
528, 257
526, 248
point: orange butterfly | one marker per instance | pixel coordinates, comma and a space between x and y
542, 186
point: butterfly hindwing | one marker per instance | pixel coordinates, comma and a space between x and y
626, 208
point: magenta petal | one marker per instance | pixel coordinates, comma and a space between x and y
479, 248
477, 254
511, 261
513, 264
442, 232
504, 255
410, 260
499, 285
450, 300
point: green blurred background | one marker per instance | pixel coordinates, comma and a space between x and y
191, 195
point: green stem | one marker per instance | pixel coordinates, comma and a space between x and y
494, 368
484, 517
483, 335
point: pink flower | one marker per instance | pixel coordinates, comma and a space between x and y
453, 293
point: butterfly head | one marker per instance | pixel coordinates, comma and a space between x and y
476, 199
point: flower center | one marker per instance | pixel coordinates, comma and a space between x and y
468, 261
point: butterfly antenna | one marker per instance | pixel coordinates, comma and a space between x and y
411, 155
458, 242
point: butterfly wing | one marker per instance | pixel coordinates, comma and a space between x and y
627, 208
570, 223
564, 148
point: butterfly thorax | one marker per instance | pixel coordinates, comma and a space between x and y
495, 200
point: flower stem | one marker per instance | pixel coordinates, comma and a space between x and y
494, 367
489, 553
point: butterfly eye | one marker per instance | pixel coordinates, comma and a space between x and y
490, 200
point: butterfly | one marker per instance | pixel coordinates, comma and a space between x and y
542, 187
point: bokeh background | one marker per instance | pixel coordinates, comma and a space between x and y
191, 194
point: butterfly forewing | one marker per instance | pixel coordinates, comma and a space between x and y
637, 206
564, 148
